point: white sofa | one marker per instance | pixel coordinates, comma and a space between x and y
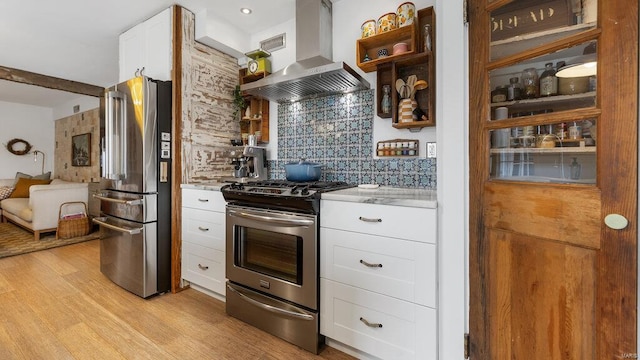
39, 212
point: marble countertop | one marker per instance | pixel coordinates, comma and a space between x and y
210, 185
386, 196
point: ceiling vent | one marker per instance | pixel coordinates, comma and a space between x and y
274, 43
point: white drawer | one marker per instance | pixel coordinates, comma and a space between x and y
203, 266
203, 199
206, 228
408, 330
402, 222
407, 268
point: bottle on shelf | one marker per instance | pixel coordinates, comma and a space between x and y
575, 169
514, 91
530, 83
548, 81
385, 104
427, 38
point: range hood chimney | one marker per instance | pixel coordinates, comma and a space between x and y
313, 73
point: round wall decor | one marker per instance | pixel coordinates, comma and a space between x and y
18, 150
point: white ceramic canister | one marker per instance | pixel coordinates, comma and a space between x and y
500, 138
386, 22
368, 28
501, 113
405, 14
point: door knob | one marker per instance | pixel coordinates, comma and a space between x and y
616, 221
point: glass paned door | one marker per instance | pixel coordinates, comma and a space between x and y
542, 93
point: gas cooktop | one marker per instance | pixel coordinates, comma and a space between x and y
280, 194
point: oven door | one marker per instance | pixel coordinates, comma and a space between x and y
274, 252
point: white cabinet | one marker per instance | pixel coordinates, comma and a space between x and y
378, 278
203, 239
147, 45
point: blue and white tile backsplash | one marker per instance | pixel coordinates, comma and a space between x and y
337, 131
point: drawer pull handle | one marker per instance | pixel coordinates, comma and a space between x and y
373, 325
202, 267
369, 219
203, 228
370, 264
203, 200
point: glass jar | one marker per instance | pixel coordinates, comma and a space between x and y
530, 83
514, 91
499, 94
427, 38
385, 105
575, 169
548, 81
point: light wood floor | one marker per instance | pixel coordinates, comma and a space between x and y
55, 304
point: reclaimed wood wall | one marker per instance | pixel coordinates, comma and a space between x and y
208, 79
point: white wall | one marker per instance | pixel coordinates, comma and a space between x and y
84, 102
453, 164
221, 35
31, 123
279, 59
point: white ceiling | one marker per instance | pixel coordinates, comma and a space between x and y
78, 39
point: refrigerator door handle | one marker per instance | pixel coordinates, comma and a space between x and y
102, 222
118, 201
115, 136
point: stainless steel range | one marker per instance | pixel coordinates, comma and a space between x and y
272, 262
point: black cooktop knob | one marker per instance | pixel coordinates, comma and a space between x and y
294, 190
304, 191
237, 186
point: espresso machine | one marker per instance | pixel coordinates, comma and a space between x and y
249, 165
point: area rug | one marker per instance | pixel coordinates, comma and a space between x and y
15, 240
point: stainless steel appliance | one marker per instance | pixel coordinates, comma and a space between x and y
135, 195
313, 73
272, 262
249, 164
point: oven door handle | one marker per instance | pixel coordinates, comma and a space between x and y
270, 308
271, 219
118, 201
102, 222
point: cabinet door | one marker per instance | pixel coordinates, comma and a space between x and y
131, 52
550, 275
147, 45
157, 61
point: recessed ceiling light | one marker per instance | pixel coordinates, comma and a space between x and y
245, 11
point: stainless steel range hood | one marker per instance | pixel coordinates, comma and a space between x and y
313, 73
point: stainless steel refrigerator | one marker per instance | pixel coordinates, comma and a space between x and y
135, 185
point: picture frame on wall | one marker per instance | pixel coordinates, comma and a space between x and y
81, 150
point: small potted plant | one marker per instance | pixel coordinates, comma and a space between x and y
238, 102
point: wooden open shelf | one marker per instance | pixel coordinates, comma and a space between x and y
372, 44
416, 61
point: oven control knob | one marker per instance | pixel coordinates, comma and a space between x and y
237, 186
294, 190
304, 191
